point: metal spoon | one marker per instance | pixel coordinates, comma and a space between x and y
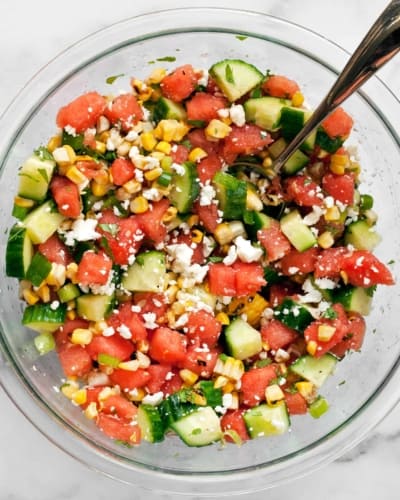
379, 45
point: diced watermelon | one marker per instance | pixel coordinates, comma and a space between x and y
204, 107
179, 84
280, 86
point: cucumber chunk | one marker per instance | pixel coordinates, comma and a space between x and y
199, 428
231, 195
265, 420
147, 273
68, 292
328, 144
94, 307
44, 318
361, 235
235, 77
296, 161
34, 178
315, 370
265, 111
151, 424
19, 252
185, 187
292, 121
167, 109
293, 315
176, 406
242, 340
42, 222
356, 299
38, 270
298, 233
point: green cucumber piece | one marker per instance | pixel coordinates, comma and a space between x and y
152, 426
20, 212
231, 194
265, 420
34, 178
38, 269
292, 121
235, 77
44, 343
147, 273
318, 407
265, 111
212, 394
328, 144
167, 109
185, 187
315, 370
68, 292
355, 299
42, 222
293, 315
19, 252
242, 340
200, 428
94, 307
361, 236
44, 318
296, 161
108, 360
176, 406
297, 232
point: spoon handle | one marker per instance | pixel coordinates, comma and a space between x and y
379, 45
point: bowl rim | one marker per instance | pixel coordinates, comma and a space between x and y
327, 450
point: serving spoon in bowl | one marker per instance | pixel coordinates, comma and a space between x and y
379, 45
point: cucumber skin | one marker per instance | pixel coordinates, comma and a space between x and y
185, 188
263, 420
151, 423
231, 194
236, 342
42, 318
199, 428
38, 270
315, 370
18, 244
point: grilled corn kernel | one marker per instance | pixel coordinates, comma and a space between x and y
142, 346
102, 177
75, 175
54, 143
326, 332
71, 315
188, 377
23, 202
229, 367
131, 365
71, 272
153, 174
170, 293
273, 394
100, 147
253, 202
80, 396
312, 347
223, 318
228, 231
136, 395
220, 382
132, 186
164, 147
148, 141
197, 236
171, 130
103, 124
332, 214
139, 205
91, 411
306, 389
217, 129
69, 388
156, 76
297, 99
44, 293
267, 162
170, 214
325, 240
64, 155
57, 275
228, 387
30, 296
336, 168
99, 189
197, 154
81, 336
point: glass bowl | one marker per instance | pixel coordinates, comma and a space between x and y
203, 36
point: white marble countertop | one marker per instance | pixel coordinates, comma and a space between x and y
31, 468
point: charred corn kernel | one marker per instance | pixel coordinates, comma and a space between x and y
143, 359
23, 202
325, 332
253, 202
71, 272
170, 293
71, 315
188, 377
99, 189
344, 277
132, 186
273, 394
138, 85
91, 411
197, 236
124, 148
161, 190
30, 296
267, 162
226, 232
228, 387
54, 143
312, 347
156, 76
193, 220
80, 396
220, 381
100, 147
139, 205
336, 168
44, 293
142, 346
229, 367
223, 318
121, 194
332, 214
197, 154
217, 129
170, 214
234, 402
325, 239
75, 175
107, 392
136, 395
164, 147
199, 399
102, 177
371, 217
306, 389
64, 155
254, 309
81, 336
104, 136
57, 275
102, 124
69, 388
171, 130
297, 99
148, 141
131, 366
153, 174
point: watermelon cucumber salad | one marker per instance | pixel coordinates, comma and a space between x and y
185, 287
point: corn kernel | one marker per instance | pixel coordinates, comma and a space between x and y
44, 293
164, 147
23, 202
234, 404
199, 399
91, 411
54, 143
136, 395
170, 293
344, 277
229, 387
170, 214
69, 388
139, 205
148, 141
156, 76
100, 147
124, 148
312, 347
75, 175
223, 318
71, 315
153, 174
102, 177
71, 272
217, 129
188, 377
131, 365
306, 389
99, 189
143, 359
197, 236
132, 186
253, 202
81, 336
229, 367
325, 332
30, 296
332, 214
267, 162
197, 154
325, 240
273, 394
265, 346
297, 99
336, 168
106, 393
80, 396
158, 155
171, 130
226, 232
142, 345
64, 155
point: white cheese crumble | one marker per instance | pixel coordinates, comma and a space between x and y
179, 169
153, 399
231, 256
207, 195
124, 331
150, 320
82, 230
314, 216
237, 115
246, 251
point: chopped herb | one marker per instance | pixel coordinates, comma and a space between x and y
229, 74
370, 290
197, 123
391, 261
110, 228
330, 313
241, 37
28, 176
111, 79
43, 153
166, 59
43, 173
342, 382
151, 62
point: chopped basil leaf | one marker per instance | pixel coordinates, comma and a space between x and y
229, 74
111, 79
110, 228
166, 59
241, 37
43, 153
330, 313
43, 173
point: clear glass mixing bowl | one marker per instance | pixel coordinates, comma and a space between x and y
202, 36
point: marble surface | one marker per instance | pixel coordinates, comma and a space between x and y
31, 468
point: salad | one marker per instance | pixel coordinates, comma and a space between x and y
184, 285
